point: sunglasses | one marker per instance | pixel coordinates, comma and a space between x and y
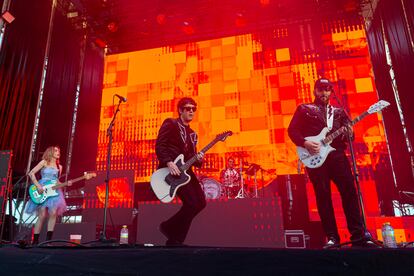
190, 108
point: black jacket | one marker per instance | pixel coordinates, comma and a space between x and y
310, 119
174, 138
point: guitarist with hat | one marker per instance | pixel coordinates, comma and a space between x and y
175, 137
309, 120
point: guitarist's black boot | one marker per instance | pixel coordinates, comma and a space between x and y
35, 239
164, 231
49, 235
170, 240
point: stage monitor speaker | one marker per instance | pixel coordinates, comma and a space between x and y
386, 191
292, 191
5, 159
5, 174
121, 197
143, 192
249, 222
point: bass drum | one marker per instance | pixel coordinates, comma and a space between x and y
211, 188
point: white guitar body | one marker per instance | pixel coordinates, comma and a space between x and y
316, 160
165, 185
164, 191
49, 191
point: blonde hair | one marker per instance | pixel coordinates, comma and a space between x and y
48, 154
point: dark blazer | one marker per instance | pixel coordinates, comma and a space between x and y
171, 142
310, 119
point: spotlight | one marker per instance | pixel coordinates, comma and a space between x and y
187, 28
264, 2
240, 20
161, 18
72, 14
8, 17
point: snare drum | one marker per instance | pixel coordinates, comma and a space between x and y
211, 187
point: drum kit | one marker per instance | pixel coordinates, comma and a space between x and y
233, 185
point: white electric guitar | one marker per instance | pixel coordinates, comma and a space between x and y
165, 185
316, 160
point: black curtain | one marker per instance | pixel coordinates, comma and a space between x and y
402, 55
87, 127
21, 60
60, 93
409, 8
20, 75
60, 88
396, 139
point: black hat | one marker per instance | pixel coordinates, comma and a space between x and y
323, 82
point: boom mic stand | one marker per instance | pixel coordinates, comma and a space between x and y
367, 234
103, 237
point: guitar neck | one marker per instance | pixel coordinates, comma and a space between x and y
61, 185
193, 159
328, 139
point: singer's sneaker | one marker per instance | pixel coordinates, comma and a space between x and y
332, 242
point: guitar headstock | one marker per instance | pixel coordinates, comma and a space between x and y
378, 106
89, 175
224, 135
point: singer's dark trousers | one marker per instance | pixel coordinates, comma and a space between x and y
193, 199
337, 168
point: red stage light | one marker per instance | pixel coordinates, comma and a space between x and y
161, 18
264, 2
8, 17
240, 20
187, 28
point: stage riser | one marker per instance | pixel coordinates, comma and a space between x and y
233, 223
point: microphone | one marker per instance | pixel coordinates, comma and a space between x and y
122, 99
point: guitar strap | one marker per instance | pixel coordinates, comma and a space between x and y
329, 116
183, 133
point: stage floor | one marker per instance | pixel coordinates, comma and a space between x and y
140, 260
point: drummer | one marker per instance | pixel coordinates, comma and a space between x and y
230, 178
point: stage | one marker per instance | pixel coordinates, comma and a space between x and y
98, 79
140, 260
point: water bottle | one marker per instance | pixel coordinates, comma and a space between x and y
124, 235
388, 236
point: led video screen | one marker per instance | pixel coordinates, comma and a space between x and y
250, 84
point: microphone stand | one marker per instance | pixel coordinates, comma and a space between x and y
367, 234
255, 182
241, 194
103, 237
263, 190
